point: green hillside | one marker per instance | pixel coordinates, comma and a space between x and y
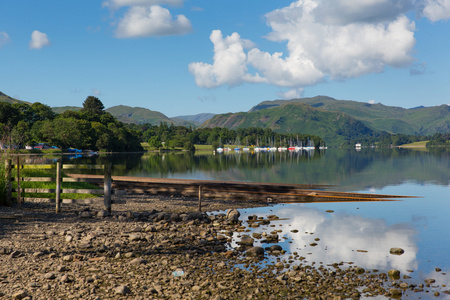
422, 120
333, 127
6, 98
138, 115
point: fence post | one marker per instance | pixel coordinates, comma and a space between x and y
199, 198
58, 187
8, 181
19, 200
107, 187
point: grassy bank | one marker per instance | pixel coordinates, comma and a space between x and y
421, 144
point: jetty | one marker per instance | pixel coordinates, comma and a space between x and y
251, 191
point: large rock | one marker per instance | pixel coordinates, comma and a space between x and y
255, 252
122, 290
233, 215
246, 241
397, 251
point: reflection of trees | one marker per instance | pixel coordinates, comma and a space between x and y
369, 168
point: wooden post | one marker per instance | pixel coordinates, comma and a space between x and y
58, 187
19, 200
8, 181
199, 198
107, 187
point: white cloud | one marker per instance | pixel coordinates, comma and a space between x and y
371, 101
155, 20
291, 94
230, 63
436, 10
122, 3
38, 40
343, 12
4, 38
321, 45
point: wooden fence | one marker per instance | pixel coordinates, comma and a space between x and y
58, 166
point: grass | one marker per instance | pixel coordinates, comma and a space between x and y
415, 144
203, 148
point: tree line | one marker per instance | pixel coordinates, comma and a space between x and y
90, 128
173, 136
385, 139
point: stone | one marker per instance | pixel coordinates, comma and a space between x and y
255, 251
103, 213
246, 241
122, 290
233, 215
20, 294
50, 275
85, 215
394, 274
138, 261
274, 248
14, 254
395, 292
429, 281
396, 251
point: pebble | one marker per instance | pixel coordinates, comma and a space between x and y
161, 254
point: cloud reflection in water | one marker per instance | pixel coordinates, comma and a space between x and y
341, 236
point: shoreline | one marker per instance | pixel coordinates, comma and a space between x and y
157, 247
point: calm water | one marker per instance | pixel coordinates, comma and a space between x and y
418, 225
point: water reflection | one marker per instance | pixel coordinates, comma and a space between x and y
347, 170
340, 237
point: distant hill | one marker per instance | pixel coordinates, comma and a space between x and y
418, 120
296, 117
138, 115
6, 98
197, 120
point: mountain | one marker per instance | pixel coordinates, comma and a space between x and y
418, 120
137, 115
296, 117
6, 98
197, 119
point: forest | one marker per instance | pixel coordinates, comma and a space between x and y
90, 128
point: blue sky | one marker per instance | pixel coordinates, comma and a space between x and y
184, 57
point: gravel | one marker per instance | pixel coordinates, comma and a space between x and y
158, 248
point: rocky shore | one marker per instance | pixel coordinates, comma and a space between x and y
163, 248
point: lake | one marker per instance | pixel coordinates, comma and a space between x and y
355, 233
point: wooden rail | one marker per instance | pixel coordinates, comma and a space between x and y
106, 192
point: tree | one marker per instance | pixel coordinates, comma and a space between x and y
93, 105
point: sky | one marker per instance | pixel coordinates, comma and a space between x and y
184, 57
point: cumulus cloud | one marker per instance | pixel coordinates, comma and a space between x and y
140, 21
4, 38
343, 12
39, 40
230, 63
321, 44
436, 10
121, 3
